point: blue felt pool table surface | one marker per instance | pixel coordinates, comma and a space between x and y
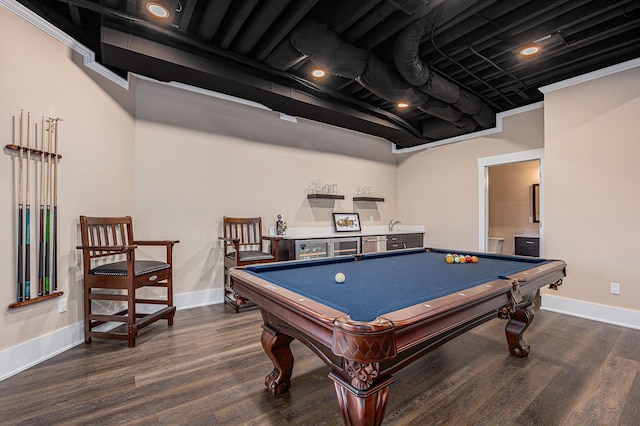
386, 282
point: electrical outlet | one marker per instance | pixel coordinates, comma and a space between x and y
615, 288
62, 305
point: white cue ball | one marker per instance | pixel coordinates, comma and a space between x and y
340, 277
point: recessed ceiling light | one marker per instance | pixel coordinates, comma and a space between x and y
402, 105
158, 10
530, 50
318, 73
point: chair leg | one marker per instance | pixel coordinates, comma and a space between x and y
87, 313
170, 297
131, 313
132, 338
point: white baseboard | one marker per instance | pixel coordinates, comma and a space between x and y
19, 358
592, 311
198, 298
25, 355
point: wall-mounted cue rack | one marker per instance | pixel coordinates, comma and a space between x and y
37, 182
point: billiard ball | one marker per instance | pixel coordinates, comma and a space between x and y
474, 259
469, 259
449, 258
340, 277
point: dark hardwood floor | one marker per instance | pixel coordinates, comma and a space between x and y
209, 369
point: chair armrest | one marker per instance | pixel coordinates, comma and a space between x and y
108, 248
274, 240
156, 243
168, 244
234, 241
231, 240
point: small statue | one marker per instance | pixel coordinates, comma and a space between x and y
281, 225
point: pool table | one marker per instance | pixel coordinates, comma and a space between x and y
393, 308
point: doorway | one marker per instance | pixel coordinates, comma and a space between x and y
523, 220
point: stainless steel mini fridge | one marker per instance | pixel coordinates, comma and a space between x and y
327, 247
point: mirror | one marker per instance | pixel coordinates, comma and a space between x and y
536, 202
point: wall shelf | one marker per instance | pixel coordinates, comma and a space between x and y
325, 197
378, 199
36, 299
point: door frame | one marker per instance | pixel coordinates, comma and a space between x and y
483, 190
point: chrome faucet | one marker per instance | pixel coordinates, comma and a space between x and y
393, 223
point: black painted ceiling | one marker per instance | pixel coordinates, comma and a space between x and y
464, 54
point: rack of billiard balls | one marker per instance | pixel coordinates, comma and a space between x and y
460, 258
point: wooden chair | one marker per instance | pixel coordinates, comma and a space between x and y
243, 245
110, 267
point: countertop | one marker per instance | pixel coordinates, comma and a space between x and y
327, 232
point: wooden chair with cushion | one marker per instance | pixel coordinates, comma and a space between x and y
113, 274
243, 245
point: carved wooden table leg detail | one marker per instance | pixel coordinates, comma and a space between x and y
362, 407
518, 323
276, 346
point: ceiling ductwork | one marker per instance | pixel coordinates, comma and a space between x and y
456, 63
413, 70
412, 82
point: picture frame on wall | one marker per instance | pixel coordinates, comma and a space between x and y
346, 222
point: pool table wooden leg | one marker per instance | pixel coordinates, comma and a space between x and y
276, 346
362, 407
518, 323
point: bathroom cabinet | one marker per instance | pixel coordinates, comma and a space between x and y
527, 246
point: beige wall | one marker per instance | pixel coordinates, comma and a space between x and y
511, 201
200, 158
438, 187
592, 192
41, 76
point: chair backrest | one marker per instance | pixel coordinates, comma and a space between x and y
247, 229
106, 232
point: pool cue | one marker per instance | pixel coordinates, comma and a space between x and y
27, 254
20, 214
54, 272
41, 222
47, 231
